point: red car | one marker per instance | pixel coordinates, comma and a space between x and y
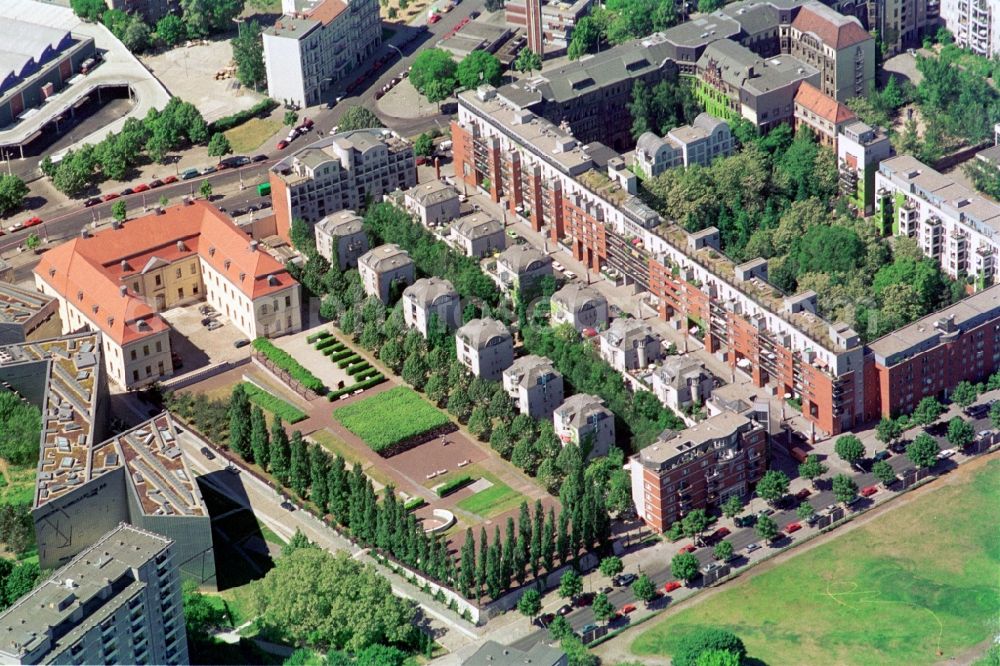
35, 221
793, 527
865, 492
109, 196
141, 187
169, 179
282, 144
671, 586
720, 533
802, 494
628, 608
153, 184
434, 18
690, 548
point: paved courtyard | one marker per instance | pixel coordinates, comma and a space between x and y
196, 345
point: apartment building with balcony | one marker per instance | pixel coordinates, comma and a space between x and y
860, 150
385, 268
630, 344
902, 24
478, 235
581, 306
430, 298
953, 225
434, 202
681, 382
520, 268
697, 468
339, 172
535, 386
485, 347
975, 25
705, 139
582, 419
836, 45
342, 235
316, 44
822, 114
116, 602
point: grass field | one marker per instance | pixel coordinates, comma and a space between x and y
917, 585
387, 418
493, 501
272, 403
18, 486
249, 136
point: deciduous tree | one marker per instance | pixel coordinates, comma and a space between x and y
12, 193
812, 468
723, 551
477, 68
772, 486
923, 451
960, 432
849, 449
644, 589
884, 472
766, 528
684, 566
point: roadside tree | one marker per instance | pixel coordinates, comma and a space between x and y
928, 410
570, 585
291, 117
528, 61
960, 433
477, 68
12, 193
119, 210
772, 486
923, 451
434, 66
205, 190
732, 506
995, 414
32, 242
805, 511
723, 551
888, 430
424, 145
812, 468
603, 609
844, 488
766, 528
684, 566
884, 472
218, 145
644, 589
530, 604
358, 117
965, 394
611, 566
850, 449
694, 524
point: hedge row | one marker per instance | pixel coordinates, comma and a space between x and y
273, 404
449, 487
338, 355
414, 503
348, 360
367, 384
365, 374
287, 362
229, 122
327, 343
359, 367
318, 335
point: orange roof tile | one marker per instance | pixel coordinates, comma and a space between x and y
824, 106
328, 10
88, 272
833, 29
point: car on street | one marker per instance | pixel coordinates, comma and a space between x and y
92, 201
214, 325
153, 184
242, 342
188, 174
830, 508
588, 628
209, 169
570, 275
559, 267
207, 452
15, 227
869, 491
802, 494
792, 527
282, 144
607, 589
745, 521
978, 411
671, 586
434, 18
141, 187
258, 158
287, 506
127, 191
110, 196
545, 619
624, 580
32, 222
765, 512
690, 548
584, 599
206, 309
565, 609
947, 453
628, 608
752, 547
169, 179
233, 469
720, 533
710, 567
880, 456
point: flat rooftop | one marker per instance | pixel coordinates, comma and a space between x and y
678, 443
73, 600
700, 31
18, 305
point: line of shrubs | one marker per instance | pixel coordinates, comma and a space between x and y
414, 503
448, 487
375, 380
318, 335
287, 362
273, 404
261, 108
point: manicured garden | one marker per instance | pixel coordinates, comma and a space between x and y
388, 418
364, 375
916, 585
492, 501
272, 403
286, 362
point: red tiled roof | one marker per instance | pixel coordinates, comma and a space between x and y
88, 272
328, 10
824, 106
833, 29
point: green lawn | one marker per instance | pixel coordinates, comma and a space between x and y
917, 585
493, 501
390, 417
19, 488
272, 403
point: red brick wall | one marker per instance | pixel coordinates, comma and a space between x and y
282, 207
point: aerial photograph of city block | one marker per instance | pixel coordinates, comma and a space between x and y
500, 332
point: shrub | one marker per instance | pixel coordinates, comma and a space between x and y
389, 418
367, 384
273, 404
340, 355
262, 107
414, 503
318, 335
448, 487
360, 367
346, 361
286, 362
327, 342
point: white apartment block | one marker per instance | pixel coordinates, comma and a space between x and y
953, 225
975, 24
630, 344
344, 234
584, 420
580, 306
522, 267
478, 235
428, 298
860, 149
681, 382
535, 385
384, 267
434, 203
698, 143
485, 347
316, 44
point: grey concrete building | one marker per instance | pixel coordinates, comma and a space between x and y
383, 267
521, 267
117, 602
434, 202
584, 420
682, 381
580, 306
485, 347
630, 344
428, 298
492, 653
535, 385
478, 235
344, 233
698, 143
22, 312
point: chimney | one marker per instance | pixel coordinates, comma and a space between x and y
125, 266
254, 245
123, 290
84, 233
181, 247
437, 168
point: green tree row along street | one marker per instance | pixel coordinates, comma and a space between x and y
198, 19
436, 75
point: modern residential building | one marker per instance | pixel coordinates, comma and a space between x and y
975, 25
630, 344
734, 82
485, 347
492, 653
535, 385
344, 234
838, 46
822, 114
384, 268
316, 44
555, 20
428, 298
682, 381
118, 281
955, 226
478, 235
697, 468
339, 172
36, 62
522, 267
580, 306
860, 150
584, 420
141, 477
698, 143
903, 24
116, 602
23, 312
434, 202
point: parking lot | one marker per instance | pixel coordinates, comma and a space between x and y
196, 345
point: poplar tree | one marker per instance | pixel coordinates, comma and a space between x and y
260, 442
319, 462
299, 466
549, 541
535, 548
239, 423
467, 574
280, 452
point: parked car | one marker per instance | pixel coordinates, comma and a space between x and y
15, 227
628, 608
92, 201
765, 512
169, 179
752, 547
792, 527
214, 325
232, 468
624, 580
287, 506
671, 586
110, 196
710, 567
690, 548
127, 191
745, 521
588, 628
258, 158
209, 169
205, 309
153, 184
557, 266
242, 342
570, 275
802, 494
189, 174
947, 453
880, 456
978, 411
207, 452
32, 222
565, 609
141, 187
282, 144
720, 533
869, 491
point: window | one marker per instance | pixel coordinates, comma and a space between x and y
133, 354
157, 280
159, 346
145, 350
159, 368
149, 371
194, 268
288, 301
263, 309
177, 273
135, 375
180, 292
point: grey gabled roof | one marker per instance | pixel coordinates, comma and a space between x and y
428, 291
385, 258
480, 333
344, 223
519, 258
575, 297
477, 225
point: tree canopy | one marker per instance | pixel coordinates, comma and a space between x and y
20, 429
698, 641
358, 117
477, 68
434, 74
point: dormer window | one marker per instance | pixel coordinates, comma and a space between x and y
79, 295
243, 276
211, 251
52, 272
227, 264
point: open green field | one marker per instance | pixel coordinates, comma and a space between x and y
249, 136
916, 585
18, 487
493, 501
386, 419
